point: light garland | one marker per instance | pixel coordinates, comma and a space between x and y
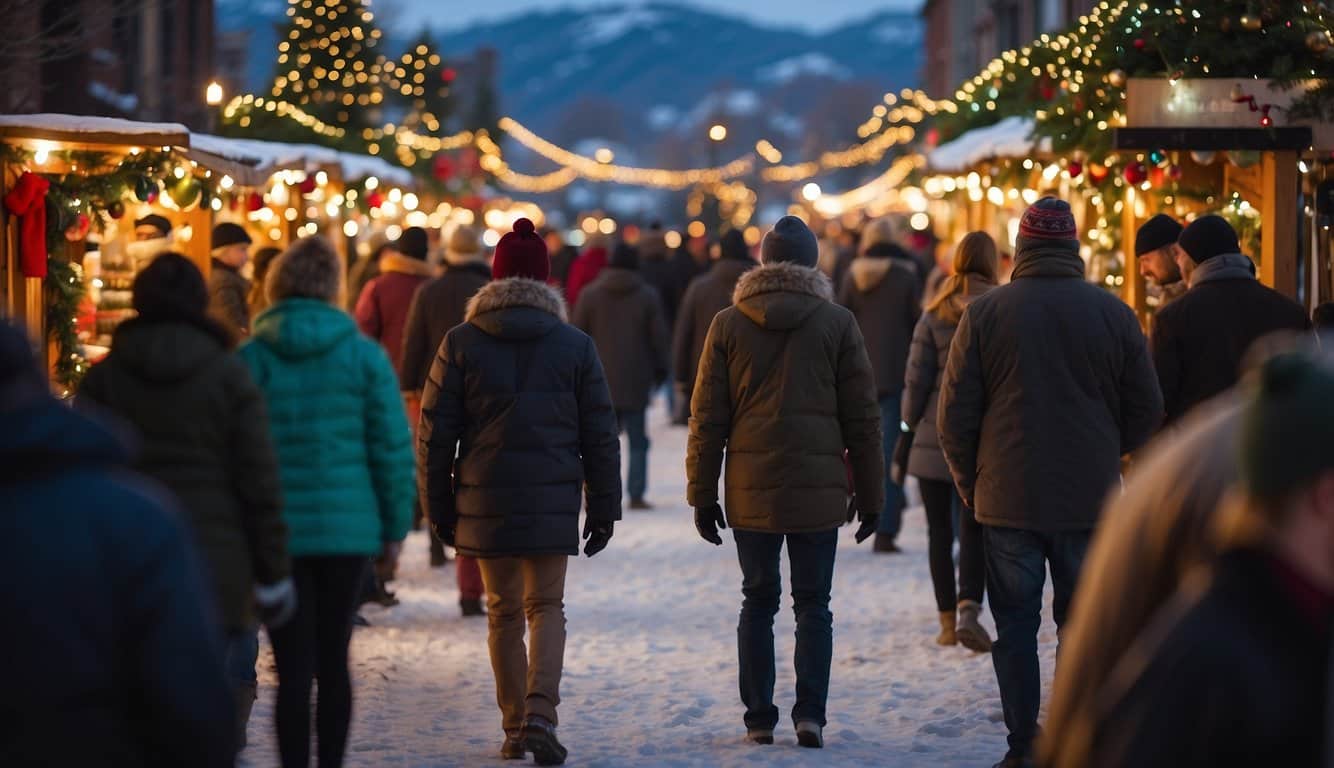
857, 197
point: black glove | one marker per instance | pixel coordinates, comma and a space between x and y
597, 533
899, 471
869, 520
708, 520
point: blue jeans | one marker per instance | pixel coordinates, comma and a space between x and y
1016, 573
632, 424
891, 517
811, 556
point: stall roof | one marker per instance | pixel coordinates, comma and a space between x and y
85, 129
269, 157
1011, 137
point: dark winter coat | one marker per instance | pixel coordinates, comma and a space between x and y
520, 397
382, 310
437, 307
364, 269
883, 293
337, 421
926, 365
785, 387
205, 436
228, 301
1233, 672
657, 267
1048, 384
1199, 339
623, 315
585, 270
707, 295
111, 650
561, 261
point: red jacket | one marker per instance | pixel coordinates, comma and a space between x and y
382, 309
585, 270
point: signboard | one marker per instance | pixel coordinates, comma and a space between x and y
1216, 103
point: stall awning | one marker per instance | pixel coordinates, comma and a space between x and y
85, 129
269, 157
1011, 137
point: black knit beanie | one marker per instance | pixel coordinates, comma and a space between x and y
1161, 230
733, 246
170, 288
1207, 237
790, 241
413, 243
624, 256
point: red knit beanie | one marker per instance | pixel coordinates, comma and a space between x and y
1048, 219
522, 253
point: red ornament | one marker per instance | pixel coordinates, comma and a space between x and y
307, 185
1175, 172
374, 199
1266, 121
1140, 43
472, 202
152, 197
1098, 173
448, 74
444, 168
1074, 168
1157, 176
1048, 93
1136, 173
254, 202
79, 229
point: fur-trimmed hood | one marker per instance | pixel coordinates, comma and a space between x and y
406, 265
781, 296
516, 308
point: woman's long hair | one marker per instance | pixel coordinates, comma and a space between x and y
975, 261
262, 260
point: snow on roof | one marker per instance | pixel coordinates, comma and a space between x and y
789, 69
273, 155
1011, 137
101, 130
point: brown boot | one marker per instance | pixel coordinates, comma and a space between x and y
946, 636
972, 635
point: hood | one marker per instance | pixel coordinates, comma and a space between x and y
516, 308
619, 280
781, 296
1053, 258
1227, 266
49, 434
163, 352
405, 265
869, 272
297, 327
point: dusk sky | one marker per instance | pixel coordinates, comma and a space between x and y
815, 15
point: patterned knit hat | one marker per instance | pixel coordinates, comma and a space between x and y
1048, 219
522, 253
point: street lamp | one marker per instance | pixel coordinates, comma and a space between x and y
213, 94
718, 132
713, 213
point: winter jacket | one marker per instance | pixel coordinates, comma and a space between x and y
1199, 340
585, 270
228, 302
785, 387
437, 307
707, 295
623, 315
364, 270
561, 261
520, 397
382, 310
205, 437
883, 293
1048, 384
657, 267
926, 364
344, 448
1234, 671
111, 651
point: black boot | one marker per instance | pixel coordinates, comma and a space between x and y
539, 737
884, 543
438, 556
472, 607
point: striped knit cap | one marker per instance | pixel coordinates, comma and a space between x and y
1048, 219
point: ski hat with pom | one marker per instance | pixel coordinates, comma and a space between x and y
522, 253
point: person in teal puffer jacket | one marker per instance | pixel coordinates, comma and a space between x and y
346, 471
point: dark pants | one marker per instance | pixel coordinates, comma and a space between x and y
891, 516
943, 508
1016, 572
314, 644
632, 424
811, 556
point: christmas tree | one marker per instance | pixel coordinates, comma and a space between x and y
421, 82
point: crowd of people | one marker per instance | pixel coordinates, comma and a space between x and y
250, 442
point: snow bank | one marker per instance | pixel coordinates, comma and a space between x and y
650, 674
789, 69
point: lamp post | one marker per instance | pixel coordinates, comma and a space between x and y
213, 96
713, 216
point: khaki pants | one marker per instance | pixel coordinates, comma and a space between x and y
527, 680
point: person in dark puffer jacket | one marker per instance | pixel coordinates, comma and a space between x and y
112, 653
516, 420
171, 375
706, 296
785, 390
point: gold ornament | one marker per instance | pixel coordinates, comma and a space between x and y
1251, 23
1117, 78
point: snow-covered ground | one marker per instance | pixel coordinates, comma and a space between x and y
650, 663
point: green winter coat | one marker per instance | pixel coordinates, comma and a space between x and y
205, 437
344, 447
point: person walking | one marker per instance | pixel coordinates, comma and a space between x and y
785, 388
516, 387
1199, 340
883, 292
1235, 668
623, 315
656, 265
437, 307
366, 268
227, 289
258, 300
1048, 384
330, 387
706, 296
382, 309
587, 267
562, 256
112, 651
205, 436
974, 273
